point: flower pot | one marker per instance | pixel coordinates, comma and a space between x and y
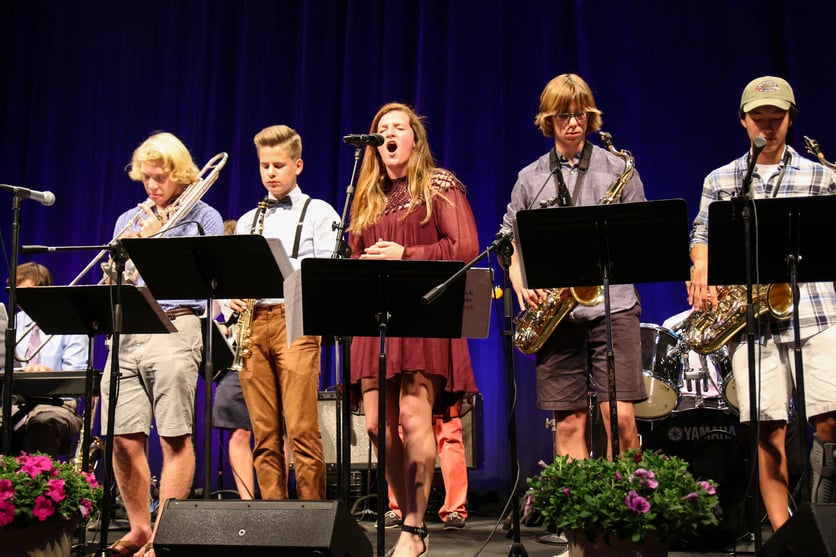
581, 546
53, 538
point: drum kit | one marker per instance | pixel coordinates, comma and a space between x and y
678, 379
691, 412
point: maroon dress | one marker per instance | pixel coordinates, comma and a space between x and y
451, 235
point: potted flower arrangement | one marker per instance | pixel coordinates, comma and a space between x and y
41, 501
639, 500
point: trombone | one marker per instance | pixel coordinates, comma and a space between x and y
179, 208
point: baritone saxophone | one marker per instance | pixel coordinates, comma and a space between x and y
243, 343
534, 325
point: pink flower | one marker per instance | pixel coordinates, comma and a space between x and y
7, 513
34, 465
91, 479
55, 490
7, 493
707, 487
43, 508
691, 497
85, 507
636, 502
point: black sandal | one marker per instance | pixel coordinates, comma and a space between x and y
420, 531
417, 531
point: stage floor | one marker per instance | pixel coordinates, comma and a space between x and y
482, 536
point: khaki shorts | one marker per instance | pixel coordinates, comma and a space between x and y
158, 381
775, 376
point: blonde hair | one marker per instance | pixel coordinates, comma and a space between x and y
165, 149
558, 96
280, 135
370, 197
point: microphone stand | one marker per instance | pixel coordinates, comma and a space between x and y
120, 257
504, 248
747, 214
343, 360
11, 331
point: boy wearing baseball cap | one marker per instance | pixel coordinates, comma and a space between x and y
767, 110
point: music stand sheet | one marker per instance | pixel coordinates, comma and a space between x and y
645, 241
476, 312
88, 310
344, 297
242, 266
783, 226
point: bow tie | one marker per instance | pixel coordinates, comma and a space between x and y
283, 202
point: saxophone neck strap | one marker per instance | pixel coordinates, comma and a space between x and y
564, 198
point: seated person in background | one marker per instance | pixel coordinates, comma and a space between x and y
49, 428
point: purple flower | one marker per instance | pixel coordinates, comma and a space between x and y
43, 508
636, 502
691, 497
85, 507
567, 492
617, 475
707, 487
645, 477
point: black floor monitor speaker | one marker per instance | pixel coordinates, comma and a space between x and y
809, 532
210, 528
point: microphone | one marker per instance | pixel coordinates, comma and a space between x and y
372, 139
548, 202
45, 198
757, 146
38, 249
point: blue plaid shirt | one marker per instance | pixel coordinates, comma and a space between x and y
801, 178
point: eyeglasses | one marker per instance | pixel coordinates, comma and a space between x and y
564, 117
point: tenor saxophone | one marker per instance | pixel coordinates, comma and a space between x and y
706, 331
243, 343
534, 325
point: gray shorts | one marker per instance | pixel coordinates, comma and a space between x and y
158, 381
577, 346
230, 410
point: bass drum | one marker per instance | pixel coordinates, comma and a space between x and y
661, 366
708, 440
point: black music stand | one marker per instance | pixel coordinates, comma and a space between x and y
89, 310
604, 245
352, 297
210, 267
786, 233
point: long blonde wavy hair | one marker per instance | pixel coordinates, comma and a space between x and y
370, 197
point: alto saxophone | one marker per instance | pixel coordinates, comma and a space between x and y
243, 344
534, 325
706, 331
814, 149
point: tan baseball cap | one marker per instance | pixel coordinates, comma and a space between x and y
767, 91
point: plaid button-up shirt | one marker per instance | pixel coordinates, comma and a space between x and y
801, 177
